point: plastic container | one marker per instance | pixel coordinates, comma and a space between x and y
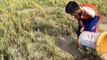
95, 40
101, 43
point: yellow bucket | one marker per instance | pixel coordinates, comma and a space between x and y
101, 43
95, 40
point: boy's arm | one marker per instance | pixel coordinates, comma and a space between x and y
91, 13
88, 13
99, 20
81, 23
82, 26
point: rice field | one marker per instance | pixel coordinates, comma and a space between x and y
28, 28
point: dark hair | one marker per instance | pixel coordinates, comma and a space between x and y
71, 7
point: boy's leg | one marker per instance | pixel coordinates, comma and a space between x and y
92, 24
78, 31
88, 27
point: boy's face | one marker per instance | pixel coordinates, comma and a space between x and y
75, 13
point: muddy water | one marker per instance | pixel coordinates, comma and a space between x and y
67, 43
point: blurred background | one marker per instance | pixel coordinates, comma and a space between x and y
40, 29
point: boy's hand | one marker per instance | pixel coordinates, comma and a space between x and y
82, 29
77, 17
95, 28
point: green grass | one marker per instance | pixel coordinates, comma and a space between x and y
27, 28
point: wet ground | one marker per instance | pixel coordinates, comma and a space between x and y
67, 43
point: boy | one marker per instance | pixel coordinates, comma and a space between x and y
87, 15
88, 18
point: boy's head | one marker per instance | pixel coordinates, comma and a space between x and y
71, 7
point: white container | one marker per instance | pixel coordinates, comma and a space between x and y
88, 39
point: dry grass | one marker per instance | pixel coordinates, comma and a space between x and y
27, 28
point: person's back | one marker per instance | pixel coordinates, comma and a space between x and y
89, 5
87, 8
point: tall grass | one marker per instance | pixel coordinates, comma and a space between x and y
27, 28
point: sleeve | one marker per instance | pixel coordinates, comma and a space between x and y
89, 11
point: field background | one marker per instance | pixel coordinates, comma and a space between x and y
29, 28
